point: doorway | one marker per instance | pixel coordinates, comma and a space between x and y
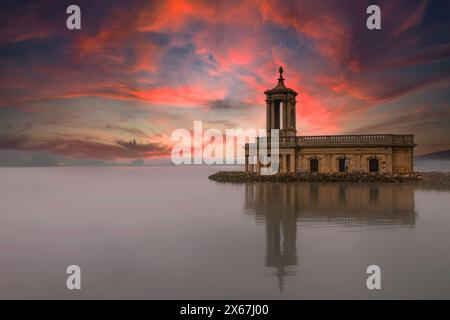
314, 165
343, 165
373, 165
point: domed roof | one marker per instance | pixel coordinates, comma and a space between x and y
280, 88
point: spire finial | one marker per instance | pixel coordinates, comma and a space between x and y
280, 79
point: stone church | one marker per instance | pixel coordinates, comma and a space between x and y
384, 153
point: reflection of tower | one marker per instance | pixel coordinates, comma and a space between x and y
281, 229
281, 233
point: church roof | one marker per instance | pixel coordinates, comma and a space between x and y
281, 87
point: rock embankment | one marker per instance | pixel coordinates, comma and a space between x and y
240, 177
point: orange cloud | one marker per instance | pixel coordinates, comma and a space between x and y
189, 96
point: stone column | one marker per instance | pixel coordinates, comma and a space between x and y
292, 169
284, 169
364, 163
288, 114
389, 163
295, 114
272, 114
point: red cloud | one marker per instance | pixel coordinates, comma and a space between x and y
412, 20
219, 57
189, 96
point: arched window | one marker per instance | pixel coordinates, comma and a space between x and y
314, 165
373, 165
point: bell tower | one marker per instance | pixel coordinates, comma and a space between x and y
280, 112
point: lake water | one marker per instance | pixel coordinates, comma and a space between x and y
170, 233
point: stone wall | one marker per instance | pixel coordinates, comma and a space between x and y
391, 159
402, 160
357, 159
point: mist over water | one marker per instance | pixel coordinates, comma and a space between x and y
432, 165
170, 233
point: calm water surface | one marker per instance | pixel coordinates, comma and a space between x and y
160, 233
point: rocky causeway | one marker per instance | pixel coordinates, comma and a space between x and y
421, 177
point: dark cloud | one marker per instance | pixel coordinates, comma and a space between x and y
222, 123
132, 131
428, 55
420, 117
85, 148
12, 142
220, 104
167, 58
90, 138
144, 148
399, 90
226, 104
26, 126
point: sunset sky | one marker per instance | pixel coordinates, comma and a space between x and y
137, 70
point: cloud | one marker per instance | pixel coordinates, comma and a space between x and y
428, 55
413, 19
401, 90
167, 63
226, 104
86, 148
420, 115
12, 142
226, 124
146, 149
132, 131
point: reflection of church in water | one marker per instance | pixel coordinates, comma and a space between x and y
284, 206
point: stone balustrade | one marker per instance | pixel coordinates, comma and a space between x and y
357, 140
348, 140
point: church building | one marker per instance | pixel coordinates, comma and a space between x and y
384, 153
